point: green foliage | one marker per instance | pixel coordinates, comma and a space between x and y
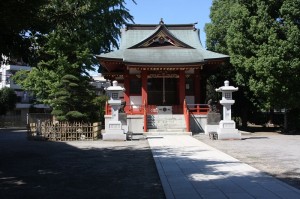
78, 30
100, 102
263, 41
72, 101
42, 82
82, 29
8, 100
76, 116
17, 20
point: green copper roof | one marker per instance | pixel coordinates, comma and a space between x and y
192, 52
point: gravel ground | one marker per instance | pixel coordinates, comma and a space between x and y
270, 152
86, 169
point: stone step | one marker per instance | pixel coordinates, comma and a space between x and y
159, 134
174, 127
167, 130
170, 117
165, 119
167, 123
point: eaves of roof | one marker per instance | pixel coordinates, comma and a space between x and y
162, 56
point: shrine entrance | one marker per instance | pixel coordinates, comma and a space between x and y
162, 91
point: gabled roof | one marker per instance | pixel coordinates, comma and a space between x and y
161, 44
161, 35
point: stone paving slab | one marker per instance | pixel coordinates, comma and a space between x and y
191, 169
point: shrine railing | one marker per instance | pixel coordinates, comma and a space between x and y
107, 109
198, 109
186, 109
134, 109
151, 109
129, 109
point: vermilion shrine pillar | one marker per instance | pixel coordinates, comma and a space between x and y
197, 91
144, 77
127, 89
181, 87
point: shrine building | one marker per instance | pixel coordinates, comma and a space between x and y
163, 68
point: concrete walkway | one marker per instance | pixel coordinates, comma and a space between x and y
191, 169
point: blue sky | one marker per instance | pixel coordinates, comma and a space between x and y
172, 12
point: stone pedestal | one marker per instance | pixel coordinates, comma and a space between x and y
114, 132
227, 130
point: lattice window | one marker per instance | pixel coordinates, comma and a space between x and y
228, 95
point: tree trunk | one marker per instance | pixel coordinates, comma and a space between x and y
285, 126
271, 118
245, 117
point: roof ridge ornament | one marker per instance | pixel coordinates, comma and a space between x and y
195, 25
161, 21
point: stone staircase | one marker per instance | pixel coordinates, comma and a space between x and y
166, 124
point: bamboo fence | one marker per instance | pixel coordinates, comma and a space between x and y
64, 131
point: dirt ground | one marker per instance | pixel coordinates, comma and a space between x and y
270, 152
87, 169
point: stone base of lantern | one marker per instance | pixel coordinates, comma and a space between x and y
227, 131
114, 136
114, 132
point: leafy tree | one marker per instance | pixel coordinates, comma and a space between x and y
100, 102
8, 100
80, 29
216, 33
19, 20
262, 39
71, 101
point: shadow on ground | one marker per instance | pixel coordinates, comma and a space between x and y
248, 138
254, 129
258, 129
40, 169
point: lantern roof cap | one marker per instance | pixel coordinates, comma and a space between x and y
115, 87
226, 87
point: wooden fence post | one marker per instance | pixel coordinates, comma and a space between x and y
96, 130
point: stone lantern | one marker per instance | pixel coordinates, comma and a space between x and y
115, 130
227, 128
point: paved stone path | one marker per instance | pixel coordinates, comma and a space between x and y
191, 169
